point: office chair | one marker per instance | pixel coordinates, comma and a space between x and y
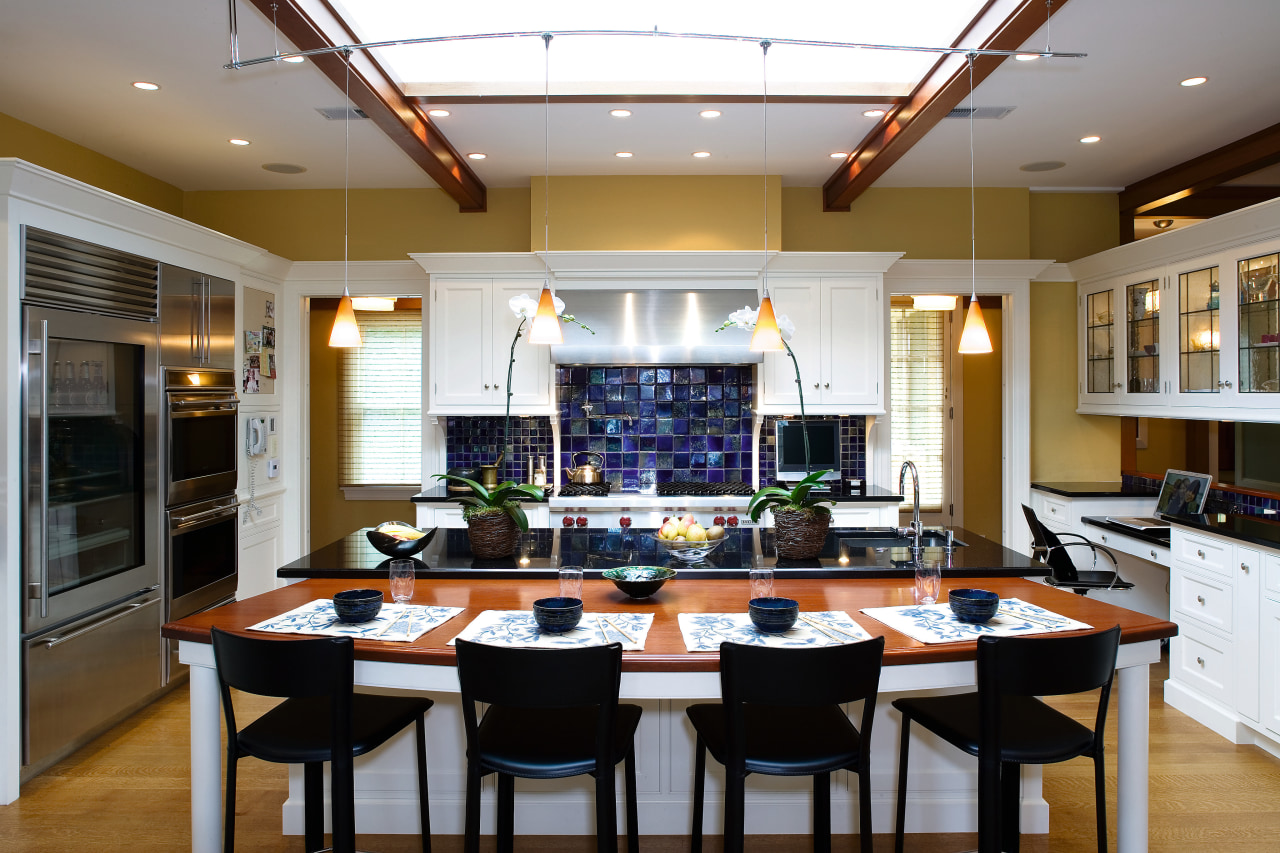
1048, 546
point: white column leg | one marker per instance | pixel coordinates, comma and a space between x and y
1132, 792
206, 762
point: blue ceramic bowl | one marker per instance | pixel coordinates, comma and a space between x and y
973, 605
773, 615
557, 615
639, 581
357, 605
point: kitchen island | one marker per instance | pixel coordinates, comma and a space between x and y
664, 678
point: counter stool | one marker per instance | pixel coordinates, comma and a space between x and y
552, 713
1006, 726
1048, 546
321, 720
781, 716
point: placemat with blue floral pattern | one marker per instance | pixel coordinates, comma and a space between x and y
935, 623
704, 632
516, 628
399, 623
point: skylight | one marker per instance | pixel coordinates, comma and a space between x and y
617, 65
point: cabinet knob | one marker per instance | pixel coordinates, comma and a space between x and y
1244, 567
1200, 661
1200, 553
624, 521
486, 386
1053, 509
1153, 555
826, 384
1200, 599
1104, 537
1117, 385
1224, 383
815, 385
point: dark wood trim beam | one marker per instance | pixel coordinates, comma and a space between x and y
312, 24
1214, 202
426, 101
1254, 152
1001, 25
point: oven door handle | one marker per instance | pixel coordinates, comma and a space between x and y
210, 403
127, 610
179, 522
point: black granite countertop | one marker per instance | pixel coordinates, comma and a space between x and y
1256, 530
441, 494
1096, 489
1158, 537
848, 553
869, 494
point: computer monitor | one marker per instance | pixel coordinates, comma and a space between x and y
824, 448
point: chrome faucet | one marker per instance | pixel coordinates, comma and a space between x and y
915, 529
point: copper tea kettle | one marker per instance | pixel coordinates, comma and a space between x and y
586, 474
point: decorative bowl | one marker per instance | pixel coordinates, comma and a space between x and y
973, 605
357, 605
639, 581
773, 615
399, 540
686, 551
557, 615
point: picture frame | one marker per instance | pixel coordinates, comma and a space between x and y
1183, 492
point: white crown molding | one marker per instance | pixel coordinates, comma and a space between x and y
1055, 273
364, 278
636, 265
959, 273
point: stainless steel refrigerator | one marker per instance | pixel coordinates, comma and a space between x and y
91, 542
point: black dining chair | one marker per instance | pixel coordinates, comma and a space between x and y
1005, 725
781, 716
553, 713
1049, 546
322, 719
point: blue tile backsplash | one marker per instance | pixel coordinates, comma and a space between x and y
1219, 500
654, 425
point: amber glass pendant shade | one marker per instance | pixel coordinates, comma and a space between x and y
767, 337
546, 325
345, 331
974, 339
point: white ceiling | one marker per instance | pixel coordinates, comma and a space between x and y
66, 67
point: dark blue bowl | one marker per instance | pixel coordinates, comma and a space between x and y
639, 581
557, 615
973, 605
357, 605
773, 615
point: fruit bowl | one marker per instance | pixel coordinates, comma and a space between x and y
639, 581
399, 540
686, 551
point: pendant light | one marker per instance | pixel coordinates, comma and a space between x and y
766, 337
545, 328
975, 338
345, 332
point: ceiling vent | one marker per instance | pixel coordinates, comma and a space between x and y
980, 112
342, 113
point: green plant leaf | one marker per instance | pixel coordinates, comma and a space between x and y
478, 490
517, 514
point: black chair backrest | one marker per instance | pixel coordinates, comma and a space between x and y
1064, 570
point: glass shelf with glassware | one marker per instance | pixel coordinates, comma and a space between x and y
1259, 305
1199, 329
1100, 335
1143, 350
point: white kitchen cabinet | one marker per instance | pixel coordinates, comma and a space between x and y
472, 327
261, 545
1269, 683
1121, 341
838, 346
450, 515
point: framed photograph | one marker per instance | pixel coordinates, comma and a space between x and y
255, 362
269, 337
252, 341
1183, 492
251, 380
270, 312
271, 366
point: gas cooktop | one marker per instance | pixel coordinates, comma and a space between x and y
662, 490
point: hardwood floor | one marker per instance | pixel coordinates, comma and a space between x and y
128, 791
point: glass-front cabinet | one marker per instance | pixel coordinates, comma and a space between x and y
1100, 343
1259, 302
1142, 337
1199, 331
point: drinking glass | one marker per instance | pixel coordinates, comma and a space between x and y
571, 582
928, 581
761, 581
402, 581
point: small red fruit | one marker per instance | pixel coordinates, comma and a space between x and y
732, 521
567, 521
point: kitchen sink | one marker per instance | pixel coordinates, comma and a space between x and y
887, 537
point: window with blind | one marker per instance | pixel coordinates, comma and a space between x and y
380, 402
920, 399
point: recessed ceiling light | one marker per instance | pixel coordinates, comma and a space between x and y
624, 154
873, 113
438, 113
294, 59
1026, 57
238, 141
1042, 166
1089, 140
1162, 223
838, 155
477, 155
619, 113
145, 86
284, 168
701, 154
710, 114
1194, 81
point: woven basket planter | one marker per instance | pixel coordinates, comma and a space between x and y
493, 535
800, 534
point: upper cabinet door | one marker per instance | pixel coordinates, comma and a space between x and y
801, 301
1100, 368
852, 359
1257, 308
531, 371
461, 344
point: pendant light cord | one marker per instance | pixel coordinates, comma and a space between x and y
764, 121
973, 208
346, 175
546, 155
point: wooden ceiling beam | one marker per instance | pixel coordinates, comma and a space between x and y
312, 25
1001, 25
1213, 202
427, 101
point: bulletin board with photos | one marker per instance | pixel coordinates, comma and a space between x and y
258, 374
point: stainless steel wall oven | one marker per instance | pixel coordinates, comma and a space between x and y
200, 434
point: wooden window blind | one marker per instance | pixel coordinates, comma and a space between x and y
380, 402
920, 394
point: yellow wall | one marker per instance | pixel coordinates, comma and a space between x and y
1069, 226
1064, 446
1166, 446
332, 515
983, 466
30, 143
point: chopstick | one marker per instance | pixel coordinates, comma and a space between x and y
630, 639
399, 616
1043, 621
826, 628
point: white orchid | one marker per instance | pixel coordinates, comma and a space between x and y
525, 306
745, 318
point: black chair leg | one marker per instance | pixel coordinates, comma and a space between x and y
822, 813
424, 801
900, 825
229, 806
1010, 806
864, 805
342, 796
699, 788
313, 806
1100, 795
471, 820
506, 813
633, 809
606, 812
988, 805
735, 817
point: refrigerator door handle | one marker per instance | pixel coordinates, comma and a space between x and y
208, 308
54, 642
40, 585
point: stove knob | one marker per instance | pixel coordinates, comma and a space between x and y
582, 521
719, 519
665, 519
567, 521
732, 521
624, 521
